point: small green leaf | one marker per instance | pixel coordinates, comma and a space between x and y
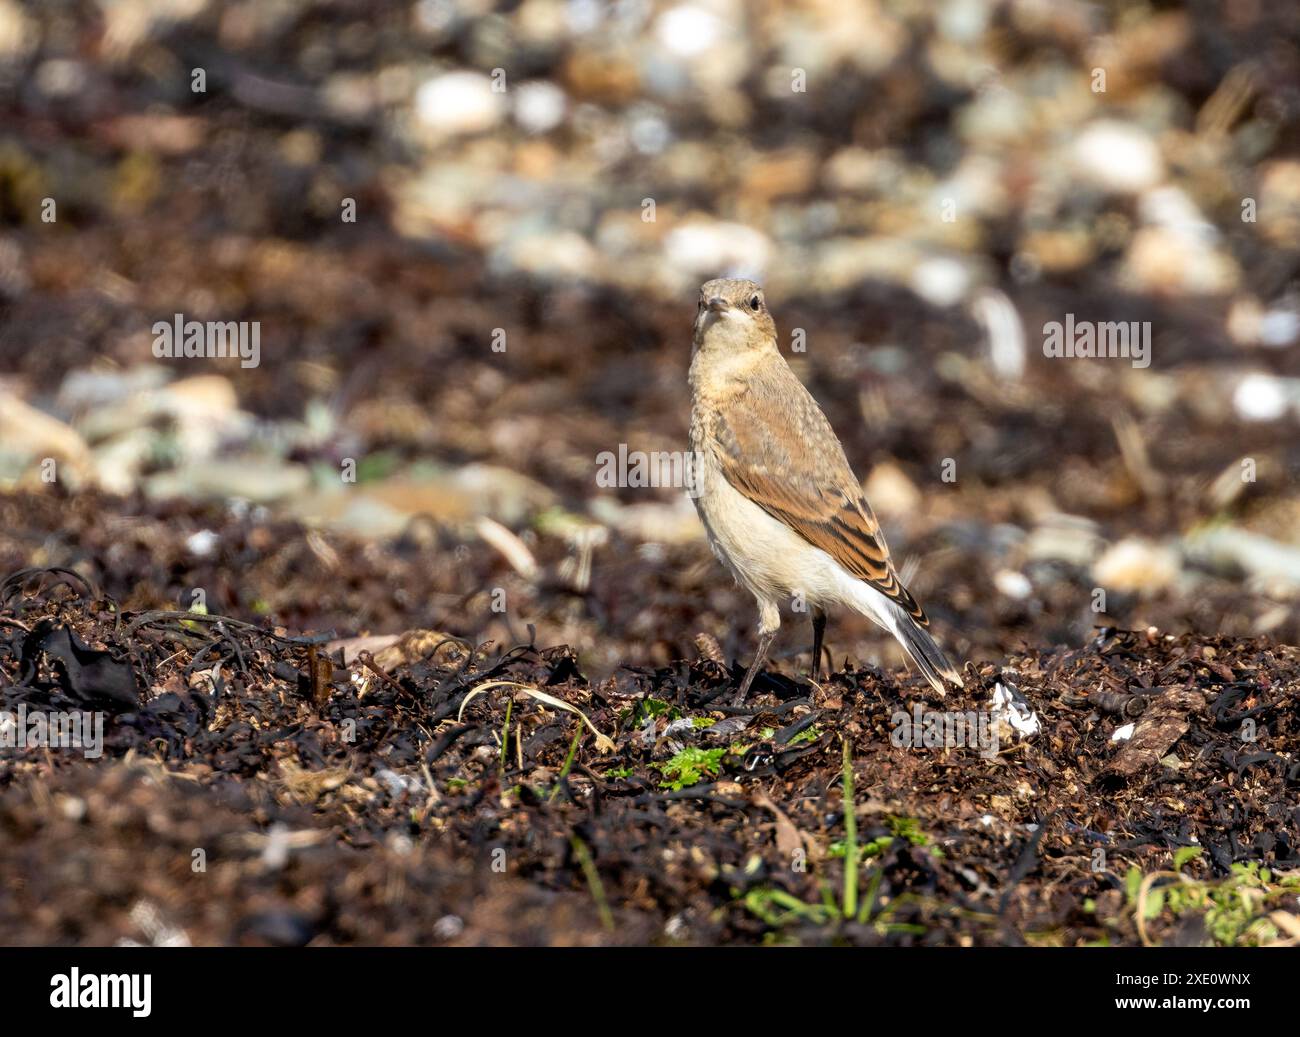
690, 766
1184, 854
1132, 883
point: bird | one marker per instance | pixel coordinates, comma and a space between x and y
780, 505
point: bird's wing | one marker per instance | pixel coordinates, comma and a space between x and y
785, 458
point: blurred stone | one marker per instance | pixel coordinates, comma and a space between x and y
206, 397
1013, 584
1173, 210
1278, 211
550, 255
254, 479
120, 460
996, 115
453, 498
15, 280
1060, 250
60, 77
505, 495
457, 103
862, 170
1250, 324
648, 129
19, 35
201, 411
1138, 566
542, 22
539, 106
128, 23
89, 388
1064, 538
1117, 157
941, 280
203, 543
845, 262
1279, 328
363, 514
1133, 55
606, 78
890, 491
1275, 567
865, 36
703, 247
651, 521
963, 20
28, 437
976, 187
776, 175
1161, 260
1264, 397
350, 96
688, 30
1245, 319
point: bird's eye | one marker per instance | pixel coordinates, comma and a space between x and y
755, 303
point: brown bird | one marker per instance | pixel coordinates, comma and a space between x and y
774, 490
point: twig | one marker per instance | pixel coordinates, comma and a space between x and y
368, 661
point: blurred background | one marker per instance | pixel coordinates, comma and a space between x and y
472, 234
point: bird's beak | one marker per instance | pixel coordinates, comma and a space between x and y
717, 304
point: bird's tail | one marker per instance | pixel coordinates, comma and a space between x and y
923, 650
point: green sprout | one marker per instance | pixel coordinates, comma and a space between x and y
690, 766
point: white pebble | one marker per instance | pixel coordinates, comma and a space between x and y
202, 543
1260, 397
688, 31
539, 106
1117, 156
458, 102
1012, 584
941, 281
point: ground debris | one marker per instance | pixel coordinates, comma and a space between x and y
470, 770
1164, 720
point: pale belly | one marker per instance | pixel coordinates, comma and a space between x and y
766, 557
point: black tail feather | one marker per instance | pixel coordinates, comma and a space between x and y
925, 652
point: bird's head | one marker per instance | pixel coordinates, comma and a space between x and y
732, 316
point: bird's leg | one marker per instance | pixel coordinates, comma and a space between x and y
819, 628
769, 621
760, 653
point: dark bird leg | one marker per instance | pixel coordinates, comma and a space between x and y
760, 653
819, 628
